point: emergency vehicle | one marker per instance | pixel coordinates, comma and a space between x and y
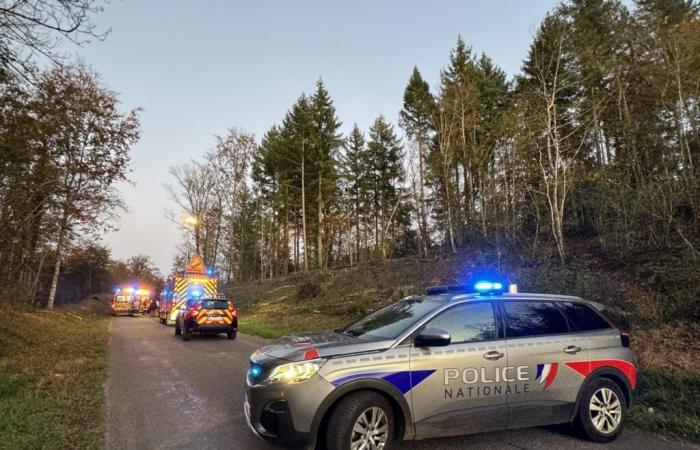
130, 300
122, 302
207, 316
142, 300
197, 281
458, 360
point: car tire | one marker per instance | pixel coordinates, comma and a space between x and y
186, 334
602, 411
231, 335
178, 330
360, 409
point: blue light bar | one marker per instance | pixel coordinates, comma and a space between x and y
488, 286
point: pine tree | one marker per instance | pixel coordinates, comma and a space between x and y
325, 141
356, 171
416, 118
385, 175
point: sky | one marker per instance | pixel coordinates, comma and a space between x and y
197, 68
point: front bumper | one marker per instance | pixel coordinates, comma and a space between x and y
283, 413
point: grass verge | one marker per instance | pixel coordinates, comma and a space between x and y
53, 366
264, 330
669, 403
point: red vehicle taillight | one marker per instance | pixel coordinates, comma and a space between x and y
194, 311
625, 339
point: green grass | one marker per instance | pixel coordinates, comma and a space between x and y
261, 329
668, 402
53, 366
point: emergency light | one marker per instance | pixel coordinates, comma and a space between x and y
484, 283
488, 286
255, 371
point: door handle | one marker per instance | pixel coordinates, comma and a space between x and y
572, 349
494, 355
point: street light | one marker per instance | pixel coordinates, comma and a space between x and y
192, 222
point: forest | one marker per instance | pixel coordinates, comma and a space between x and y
597, 139
594, 143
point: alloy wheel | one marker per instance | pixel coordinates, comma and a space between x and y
370, 431
605, 410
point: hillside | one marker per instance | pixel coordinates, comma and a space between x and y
665, 337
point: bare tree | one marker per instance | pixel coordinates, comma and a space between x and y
31, 29
231, 161
194, 193
553, 132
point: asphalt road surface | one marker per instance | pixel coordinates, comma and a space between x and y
166, 393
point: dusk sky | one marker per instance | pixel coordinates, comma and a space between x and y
198, 68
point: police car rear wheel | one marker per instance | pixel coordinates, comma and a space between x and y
231, 335
361, 421
186, 334
178, 330
602, 411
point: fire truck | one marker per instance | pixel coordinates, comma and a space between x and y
130, 300
196, 281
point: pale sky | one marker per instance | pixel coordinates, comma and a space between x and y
198, 68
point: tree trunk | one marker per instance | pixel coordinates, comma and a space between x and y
303, 210
319, 231
421, 201
57, 266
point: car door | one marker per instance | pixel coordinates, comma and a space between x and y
540, 344
459, 389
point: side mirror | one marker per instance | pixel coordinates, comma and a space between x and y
432, 337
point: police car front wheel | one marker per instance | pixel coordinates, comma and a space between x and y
602, 411
361, 421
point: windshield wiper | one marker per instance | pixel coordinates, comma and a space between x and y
345, 332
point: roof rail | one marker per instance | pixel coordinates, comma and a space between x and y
455, 288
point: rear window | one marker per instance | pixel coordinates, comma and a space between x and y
583, 318
214, 304
525, 319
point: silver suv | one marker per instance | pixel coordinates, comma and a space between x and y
447, 363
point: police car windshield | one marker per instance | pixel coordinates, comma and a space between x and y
390, 321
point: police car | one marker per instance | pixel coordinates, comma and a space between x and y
456, 361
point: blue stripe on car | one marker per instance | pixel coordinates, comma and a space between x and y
404, 381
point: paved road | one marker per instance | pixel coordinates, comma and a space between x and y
166, 393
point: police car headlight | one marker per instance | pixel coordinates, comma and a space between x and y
295, 372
